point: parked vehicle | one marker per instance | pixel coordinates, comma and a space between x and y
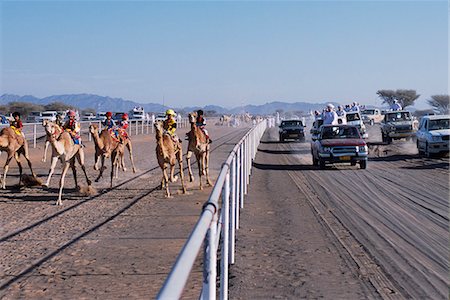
291, 129
101, 116
3, 120
398, 125
433, 135
354, 118
47, 115
315, 129
160, 117
372, 116
339, 144
138, 113
33, 117
88, 117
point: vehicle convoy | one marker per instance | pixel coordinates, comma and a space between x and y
315, 129
339, 144
397, 125
372, 116
292, 129
354, 118
433, 135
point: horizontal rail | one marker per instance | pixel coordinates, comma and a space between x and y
210, 229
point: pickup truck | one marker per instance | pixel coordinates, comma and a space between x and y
339, 144
397, 125
372, 115
315, 129
291, 129
354, 118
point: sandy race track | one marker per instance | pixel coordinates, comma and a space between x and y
116, 244
342, 232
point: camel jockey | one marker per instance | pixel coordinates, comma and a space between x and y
123, 125
16, 124
109, 122
73, 127
170, 125
59, 120
201, 123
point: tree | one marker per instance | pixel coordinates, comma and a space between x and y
439, 103
87, 111
58, 106
24, 108
404, 97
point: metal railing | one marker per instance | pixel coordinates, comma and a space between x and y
210, 229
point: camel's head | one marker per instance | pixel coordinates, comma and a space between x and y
158, 126
192, 117
49, 127
44, 122
93, 128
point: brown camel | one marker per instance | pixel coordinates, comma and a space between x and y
14, 145
106, 146
64, 149
198, 144
168, 152
58, 131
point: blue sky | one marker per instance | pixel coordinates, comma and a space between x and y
225, 53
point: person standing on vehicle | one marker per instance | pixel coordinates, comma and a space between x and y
355, 106
396, 106
329, 116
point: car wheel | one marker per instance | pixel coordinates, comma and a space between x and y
372, 122
281, 138
315, 161
389, 140
321, 164
363, 164
418, 148
427, 150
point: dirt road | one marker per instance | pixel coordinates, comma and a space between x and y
119, 243
343, 233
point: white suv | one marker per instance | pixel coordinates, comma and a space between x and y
433, 135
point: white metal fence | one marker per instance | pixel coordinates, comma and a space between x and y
210, 229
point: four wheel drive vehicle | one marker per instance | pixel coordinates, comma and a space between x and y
433, 135
339, 144
397, 125
354, 118
291, 129
33, 116
101, 116
372, 116
47, 115
160, 117
88, 117
315, 129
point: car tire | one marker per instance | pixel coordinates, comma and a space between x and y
427, 150
363, 164
372, 122
418, 148
281, 139
315, 161
388, 140
321, 164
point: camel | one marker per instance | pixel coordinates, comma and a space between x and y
14, 145
168, 153
58, 131
106, 146
198, 144
64, 149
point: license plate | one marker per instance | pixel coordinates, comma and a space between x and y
345, 158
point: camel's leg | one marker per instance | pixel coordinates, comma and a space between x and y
200, 170
80, 159
5, 170
61, 182
96, 160
130, 151
44, 157
52, 170
74, 171
206, 166
113, 166
188, 161
173, 178
166, 180
180, 163
27, 157
101, 169
17, 158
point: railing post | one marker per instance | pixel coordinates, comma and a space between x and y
242, 176
210, 262
89, 133
238, 185
34, 136
137, 127
225, 239
233, 209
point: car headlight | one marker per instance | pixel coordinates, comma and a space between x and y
436, 138
326, 149
363, 149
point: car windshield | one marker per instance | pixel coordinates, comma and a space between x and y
291, 123
48, 114
439, 124
400, 116
352, 117
368, 112
337, 132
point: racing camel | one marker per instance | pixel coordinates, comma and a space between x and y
168, 153
106, 146
64, 149
58, 131
198, 144
14, 145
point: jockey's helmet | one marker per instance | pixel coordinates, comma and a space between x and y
16, 114
108, 114
124, 116
170, 112
71, 113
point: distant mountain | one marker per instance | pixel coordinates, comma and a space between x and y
105, 103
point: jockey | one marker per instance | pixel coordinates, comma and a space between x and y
201, 123
16, 124
109, 122
170, 125
73, 127
123, 125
